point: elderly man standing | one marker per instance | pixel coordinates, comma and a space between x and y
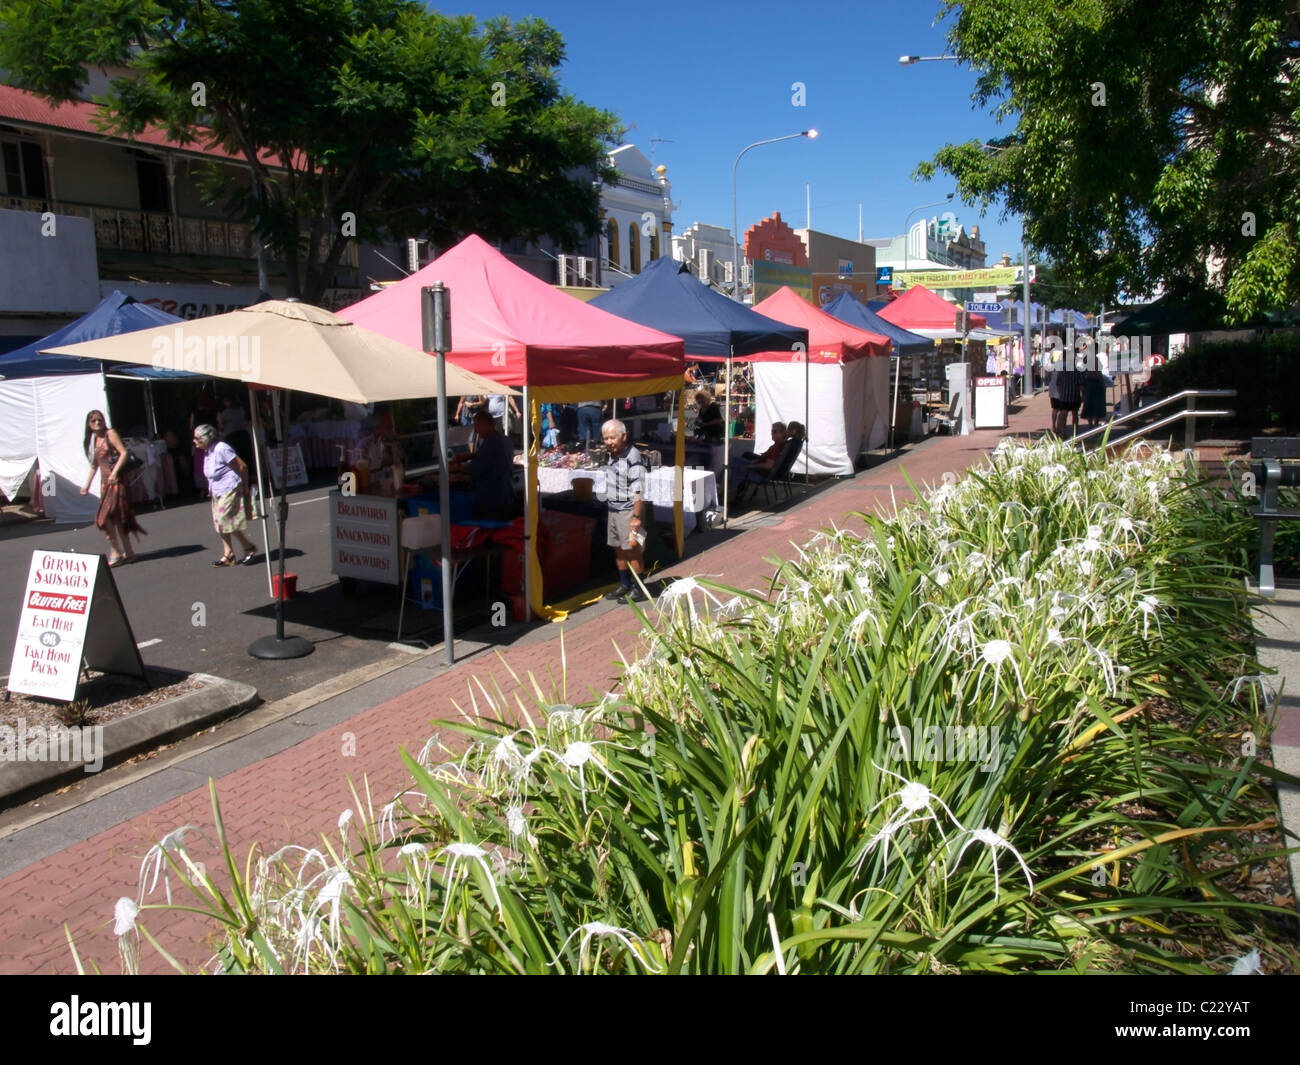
625, 498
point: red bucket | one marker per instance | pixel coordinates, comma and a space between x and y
290, 585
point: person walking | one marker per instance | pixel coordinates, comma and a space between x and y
625, 498
227, 477
115, 517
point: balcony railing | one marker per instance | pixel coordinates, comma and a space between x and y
159, 233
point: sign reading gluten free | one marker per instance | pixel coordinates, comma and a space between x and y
71, 612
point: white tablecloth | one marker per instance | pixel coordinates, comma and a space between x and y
699, 487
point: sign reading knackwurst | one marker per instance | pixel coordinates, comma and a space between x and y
363, 537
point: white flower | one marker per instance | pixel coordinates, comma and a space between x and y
994, 653
913, 799
124, 915
464, 853
1247, 965
593, 929
516, 822
682, 589
995, 843
172, 843
128, 939
1148, 605
387, 822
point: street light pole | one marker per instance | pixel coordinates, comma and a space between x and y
735, 234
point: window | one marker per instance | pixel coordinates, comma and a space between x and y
654, 243
24, 169
612, 230
151, 176
633, 249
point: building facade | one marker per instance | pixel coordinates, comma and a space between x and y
636, 216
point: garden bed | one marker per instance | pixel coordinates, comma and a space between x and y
1018, 727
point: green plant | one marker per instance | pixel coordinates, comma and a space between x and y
1002, 731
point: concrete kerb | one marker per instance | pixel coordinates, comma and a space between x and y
218, 700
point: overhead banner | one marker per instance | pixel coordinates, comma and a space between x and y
769, 277
71, 612
993, 275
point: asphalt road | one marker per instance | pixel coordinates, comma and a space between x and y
188, 615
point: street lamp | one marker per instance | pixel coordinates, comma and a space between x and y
735, 229
908, 60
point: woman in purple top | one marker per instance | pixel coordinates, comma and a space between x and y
227, 477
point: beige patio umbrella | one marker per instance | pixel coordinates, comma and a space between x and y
294, 347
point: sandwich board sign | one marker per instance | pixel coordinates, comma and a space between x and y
71, 613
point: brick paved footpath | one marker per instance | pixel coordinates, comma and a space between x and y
298, 794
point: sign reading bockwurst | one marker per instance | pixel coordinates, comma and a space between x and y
52, 628
363, 537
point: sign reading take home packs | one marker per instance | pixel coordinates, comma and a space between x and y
70, 612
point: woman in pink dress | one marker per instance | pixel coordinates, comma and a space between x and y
116, 516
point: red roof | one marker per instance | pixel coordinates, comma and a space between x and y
78, 116
919, 308
829, 339
514, 328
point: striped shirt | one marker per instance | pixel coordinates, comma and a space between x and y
625, 480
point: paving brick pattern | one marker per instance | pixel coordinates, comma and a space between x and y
298, 794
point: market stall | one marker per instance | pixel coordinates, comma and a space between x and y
668, 297
847, 382
44, 400
298, 347
509, 325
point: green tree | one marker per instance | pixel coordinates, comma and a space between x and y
360, 119
1155, 141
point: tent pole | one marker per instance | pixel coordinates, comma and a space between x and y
530, 545
893, 417
807, 399
280, 646
726, 439
261, 485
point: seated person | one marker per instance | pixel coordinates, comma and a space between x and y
708, 421
383, 455
490, 471
762, 465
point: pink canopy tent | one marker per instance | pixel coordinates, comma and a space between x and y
531, 335
840, 392
923, 311
526, 332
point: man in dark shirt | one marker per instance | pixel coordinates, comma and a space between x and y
491, 471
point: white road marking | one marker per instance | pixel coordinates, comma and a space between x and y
147, 643
314, 499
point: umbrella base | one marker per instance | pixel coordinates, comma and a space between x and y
273, 647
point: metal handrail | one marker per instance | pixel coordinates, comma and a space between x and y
1188, 416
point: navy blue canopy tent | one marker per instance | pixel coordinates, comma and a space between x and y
115, 314
668, 297
847, 308
44, 400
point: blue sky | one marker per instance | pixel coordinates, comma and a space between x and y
711, 77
